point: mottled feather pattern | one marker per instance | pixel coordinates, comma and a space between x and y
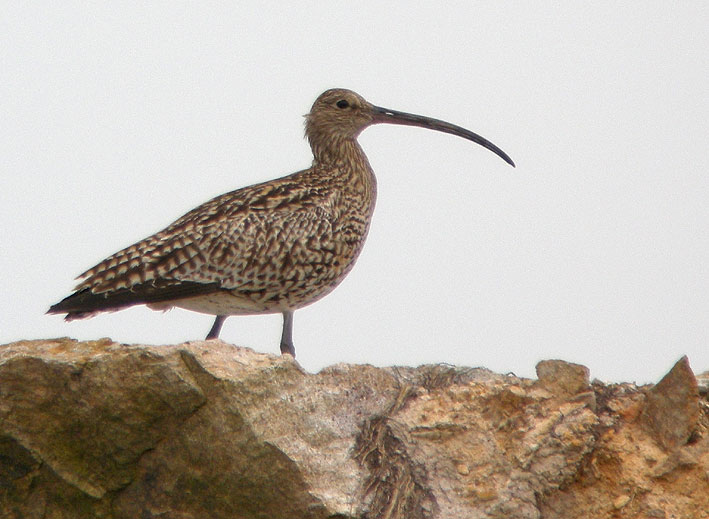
281, 244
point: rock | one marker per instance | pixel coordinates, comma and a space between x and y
621, 501
565, 380
671, 410
678, 459
206, 429
703, 384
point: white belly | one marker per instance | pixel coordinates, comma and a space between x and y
221, 303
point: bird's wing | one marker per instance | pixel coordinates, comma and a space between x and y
234, 240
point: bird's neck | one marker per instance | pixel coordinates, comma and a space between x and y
332, 148
346, 164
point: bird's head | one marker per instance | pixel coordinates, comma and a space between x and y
339, 115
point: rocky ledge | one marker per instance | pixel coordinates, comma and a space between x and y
210, 430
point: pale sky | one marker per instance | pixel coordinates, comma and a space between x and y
118, 117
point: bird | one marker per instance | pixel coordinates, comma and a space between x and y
272, 247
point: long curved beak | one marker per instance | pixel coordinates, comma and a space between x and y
385, 115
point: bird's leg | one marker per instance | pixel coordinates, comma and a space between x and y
287, 336
216, 327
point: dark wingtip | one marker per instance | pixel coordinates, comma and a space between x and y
55, 309
72, 306
86, 303
63, 306
70, 316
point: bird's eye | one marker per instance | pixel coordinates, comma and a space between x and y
342, 103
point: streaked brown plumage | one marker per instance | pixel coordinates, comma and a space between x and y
268, 248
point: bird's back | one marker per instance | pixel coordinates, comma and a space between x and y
277, 245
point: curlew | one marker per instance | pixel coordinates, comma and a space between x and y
272, 247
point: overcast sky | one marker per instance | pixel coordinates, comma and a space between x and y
116, 118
